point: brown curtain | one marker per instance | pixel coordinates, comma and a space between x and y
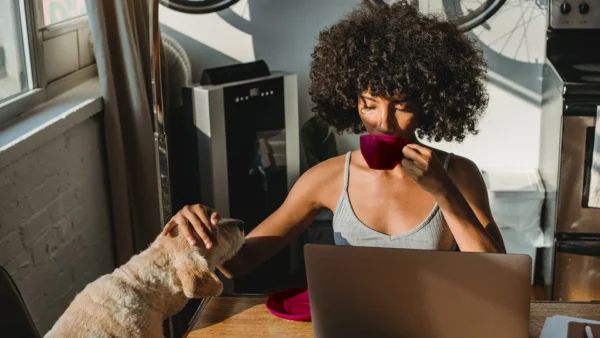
121, 38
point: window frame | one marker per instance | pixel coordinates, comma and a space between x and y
32, 25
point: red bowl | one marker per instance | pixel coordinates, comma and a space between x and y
290, 304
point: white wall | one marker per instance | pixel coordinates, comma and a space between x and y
283, 33
513, 42
55, 228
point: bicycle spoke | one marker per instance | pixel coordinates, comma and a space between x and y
467, 14
504, 43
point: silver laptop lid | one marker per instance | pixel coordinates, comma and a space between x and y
382, 292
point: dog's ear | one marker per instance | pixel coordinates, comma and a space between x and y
197, 281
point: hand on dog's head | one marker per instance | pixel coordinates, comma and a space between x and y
194, 265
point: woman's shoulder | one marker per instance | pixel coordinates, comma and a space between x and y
327, 170
323, 182
463, 171
456, 164
461, 165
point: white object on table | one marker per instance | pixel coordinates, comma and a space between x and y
588, 332
558, 326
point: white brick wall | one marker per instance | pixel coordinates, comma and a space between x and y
55, 228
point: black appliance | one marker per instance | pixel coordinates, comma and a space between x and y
247, 153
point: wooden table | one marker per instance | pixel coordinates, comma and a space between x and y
246, 317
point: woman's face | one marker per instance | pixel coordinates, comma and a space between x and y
391, 116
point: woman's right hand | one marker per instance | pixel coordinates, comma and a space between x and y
200, 218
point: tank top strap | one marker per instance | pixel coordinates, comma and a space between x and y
347, 171
447, 160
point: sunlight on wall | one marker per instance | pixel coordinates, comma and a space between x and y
508, 134
283, 33
212, 31
242, 9
513, 44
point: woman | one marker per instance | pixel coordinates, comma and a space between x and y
384, 70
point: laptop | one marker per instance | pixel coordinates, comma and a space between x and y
383, 292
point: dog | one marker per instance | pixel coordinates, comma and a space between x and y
135, 299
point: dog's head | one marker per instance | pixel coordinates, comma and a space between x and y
195, 265
229, 236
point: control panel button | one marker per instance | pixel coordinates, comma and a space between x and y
573, 15
565, 8
584, 8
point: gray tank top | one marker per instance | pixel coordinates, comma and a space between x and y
432, 234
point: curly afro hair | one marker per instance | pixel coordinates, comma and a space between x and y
395, 49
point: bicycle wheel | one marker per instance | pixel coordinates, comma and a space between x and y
466, 14
514, 46
475, 17
197, 6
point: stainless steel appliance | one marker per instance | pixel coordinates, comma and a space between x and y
246, 136
568, 162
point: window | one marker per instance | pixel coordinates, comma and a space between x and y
13, 59
45, 49
56, 11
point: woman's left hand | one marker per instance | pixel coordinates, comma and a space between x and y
422, 165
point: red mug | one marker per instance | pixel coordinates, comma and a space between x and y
382, 152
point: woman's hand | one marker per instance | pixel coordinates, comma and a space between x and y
422, 165
198, 217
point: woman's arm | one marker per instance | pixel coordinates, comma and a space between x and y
308, 196
316, 189
465, 205
305, 200
461, 195
297, 211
